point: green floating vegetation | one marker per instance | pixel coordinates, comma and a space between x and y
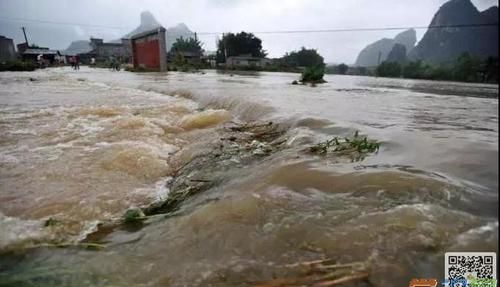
133, 215
85, 245
356, 144
51, 222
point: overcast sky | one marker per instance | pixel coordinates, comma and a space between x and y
227, 16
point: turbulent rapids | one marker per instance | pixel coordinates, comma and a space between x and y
119, 179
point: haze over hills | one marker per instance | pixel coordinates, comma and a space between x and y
148, 22
443, 44
369, 55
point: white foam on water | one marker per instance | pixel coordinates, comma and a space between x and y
23, 132
478, 233
161, 188
88, 227
48, 152
6, 158
14, 230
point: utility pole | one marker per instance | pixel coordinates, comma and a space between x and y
225, 47
25, 38
379, 56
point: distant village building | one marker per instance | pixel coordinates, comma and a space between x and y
247, 61
191, 58
149, 50
32, 53
99, 50
7, 50
209, 58
22, 47
103, 51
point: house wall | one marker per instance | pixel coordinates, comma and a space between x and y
146, 54
149, 51
7, 50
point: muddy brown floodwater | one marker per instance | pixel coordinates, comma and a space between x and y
80, 148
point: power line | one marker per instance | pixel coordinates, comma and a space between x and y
24, 20
336, 30
362, 29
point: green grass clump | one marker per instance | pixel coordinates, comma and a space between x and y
17, 66
356, 144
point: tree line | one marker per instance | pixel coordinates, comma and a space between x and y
465, 68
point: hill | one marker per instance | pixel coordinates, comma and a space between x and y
443, 45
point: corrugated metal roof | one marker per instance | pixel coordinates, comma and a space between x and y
147, 33
244, 58
40, 51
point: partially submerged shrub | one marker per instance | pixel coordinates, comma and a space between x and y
313, 75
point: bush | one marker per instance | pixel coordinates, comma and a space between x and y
17, 66
465, 68
389, 69
313, 75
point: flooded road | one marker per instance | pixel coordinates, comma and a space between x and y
82, 147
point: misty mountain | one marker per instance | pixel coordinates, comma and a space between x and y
173, 33
148, 22
368, 57
443, 45
78, 47
397, 54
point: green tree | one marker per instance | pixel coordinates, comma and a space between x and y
490, 70
239, 44
389, 69
441, 72
179, 60
303, 58
192, 45
467, 68
342, 68
414, 70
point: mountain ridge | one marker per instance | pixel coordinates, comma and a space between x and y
368, 57
445, 45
